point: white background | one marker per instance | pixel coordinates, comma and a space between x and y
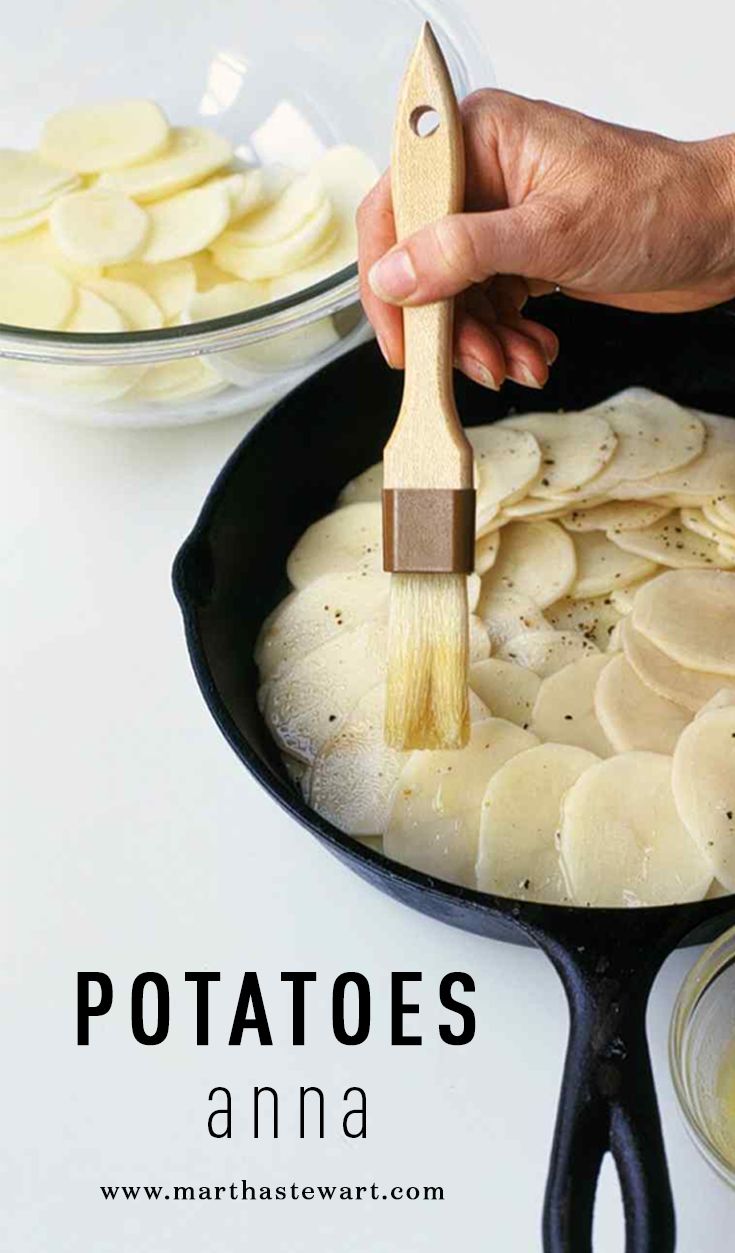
134, 840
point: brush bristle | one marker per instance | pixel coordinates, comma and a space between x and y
427, 703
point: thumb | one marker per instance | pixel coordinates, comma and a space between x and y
457, 251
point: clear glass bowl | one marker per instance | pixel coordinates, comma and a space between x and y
279, 79
702, 1054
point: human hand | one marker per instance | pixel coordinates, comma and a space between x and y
554, 199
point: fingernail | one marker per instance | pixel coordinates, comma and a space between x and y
475, 370
393, 277
551, 356
384, 349
524, 376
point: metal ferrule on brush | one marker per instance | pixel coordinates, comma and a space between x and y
429, 530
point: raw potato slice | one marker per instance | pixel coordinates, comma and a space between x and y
616, 515
305, 704
689, 688
36, 295
574, 448
670, 544
546, 651
479, 640
696, 520
298, 772
330, 605
711, 474
434, 824
704, 788
368, 486
104, 136
507, 690
603, 566
180, 379
595, 619
301, 200
724, 507
354, 776
565, 706
632, 715
11, 228
622, 841
536, 560
518, 854
721, 700
28, 184
272, 260
208, 275
186, 223
654, 436
171, 283
97, 227
486, 551
94, 316
623, 598
506, 462
530, 507
226, 299
351, 538
506, 613
191, 154
247, 190
689, 615
139, 310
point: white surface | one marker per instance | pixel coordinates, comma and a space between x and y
133, 840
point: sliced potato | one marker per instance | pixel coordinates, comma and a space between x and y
434, 822
696, 520
564, 711
507, 613
28, 184
506, 462
546, 651
170, 283
190, 155
273, 260
328, 606
305, 703
704, 788
486, 551
654, 436
225, 299
720, 700
536, 560
531, 507
711, 474
623, 597
36, 295
95, 316
689, 615
185, 223
574, 448
508, 691
689, 688
722, 512
595, 618
367, 486
351, 538
518, 853
632, 715
603, 565
98, 227
622, 841
138, 310
670, 543
89, 138
180, 379
616, 515
12, 228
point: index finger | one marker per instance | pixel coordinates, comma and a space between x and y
376, 233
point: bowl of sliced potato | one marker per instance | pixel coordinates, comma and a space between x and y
178, 185
591, 812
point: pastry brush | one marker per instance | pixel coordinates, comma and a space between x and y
428, 497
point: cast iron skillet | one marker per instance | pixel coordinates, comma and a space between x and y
229, 574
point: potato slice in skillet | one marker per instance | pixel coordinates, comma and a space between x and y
351, 538
710, 474
704, 788
354, 775
542, 510
536, 560
546, 651
506, 463
367, 486
518, 852
486, 551
622, 840
615, 515
721, 511
697, 521
603, 566
721, 700
689, 688
670, 543
623, 597
329, 606
564, 711
507, 690
434, 822
507, 613
654, 435
574, 448
595, 618
689, 614
632, 715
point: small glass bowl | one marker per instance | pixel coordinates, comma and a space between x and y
282, 81
702, 1054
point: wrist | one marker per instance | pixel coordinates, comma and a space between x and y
716, 160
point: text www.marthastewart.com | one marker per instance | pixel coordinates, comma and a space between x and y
244, 1191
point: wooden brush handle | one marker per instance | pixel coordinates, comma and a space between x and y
428, 447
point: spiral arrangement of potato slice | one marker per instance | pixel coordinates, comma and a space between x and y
601, 765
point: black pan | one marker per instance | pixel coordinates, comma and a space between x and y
229, 574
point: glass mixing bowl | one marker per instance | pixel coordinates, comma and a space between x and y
702, 1054
282, 81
